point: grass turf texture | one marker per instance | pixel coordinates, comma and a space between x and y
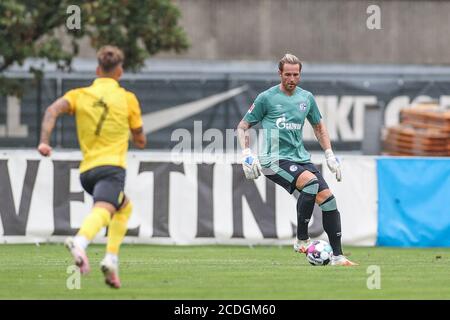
225, 272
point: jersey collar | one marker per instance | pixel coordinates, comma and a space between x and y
109, 81
297, 88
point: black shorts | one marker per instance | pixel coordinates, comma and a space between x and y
105, 183
286, 172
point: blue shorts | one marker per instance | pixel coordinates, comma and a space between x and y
285, 173
105, 183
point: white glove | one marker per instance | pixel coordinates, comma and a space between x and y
251, 165
333, 164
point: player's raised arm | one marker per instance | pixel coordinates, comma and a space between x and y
57, 108
322, 136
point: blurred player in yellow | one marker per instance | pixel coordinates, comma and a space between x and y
105, 113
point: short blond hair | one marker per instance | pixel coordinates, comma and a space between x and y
289, 59
109, 57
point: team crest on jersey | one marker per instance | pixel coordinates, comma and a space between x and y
293, 168
251, 108
302, 106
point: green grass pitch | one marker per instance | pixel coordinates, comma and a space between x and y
225, 272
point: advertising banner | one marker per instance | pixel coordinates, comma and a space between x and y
189, 200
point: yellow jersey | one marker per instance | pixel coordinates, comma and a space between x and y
104, 114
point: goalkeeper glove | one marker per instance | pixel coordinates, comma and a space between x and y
250, 164
333, 164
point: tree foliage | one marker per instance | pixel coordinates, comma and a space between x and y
140, 27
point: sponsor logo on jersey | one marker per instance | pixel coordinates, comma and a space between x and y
282, 124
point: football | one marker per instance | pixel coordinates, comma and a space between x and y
319, 253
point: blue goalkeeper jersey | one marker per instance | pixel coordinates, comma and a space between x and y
282, 118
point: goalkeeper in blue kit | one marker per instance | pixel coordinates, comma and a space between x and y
282, 111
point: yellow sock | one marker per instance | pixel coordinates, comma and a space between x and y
97, 219
118, 228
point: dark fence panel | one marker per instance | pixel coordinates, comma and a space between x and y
342, 102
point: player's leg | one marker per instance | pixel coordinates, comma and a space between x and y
98, 218
110, 189
116, 233
331, 220
308, 186
118, 227
294, 176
